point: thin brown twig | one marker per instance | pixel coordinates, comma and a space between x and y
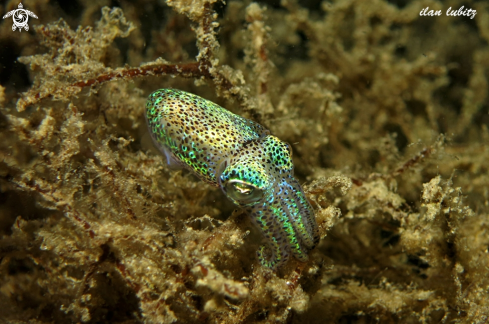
418, 158
187, 70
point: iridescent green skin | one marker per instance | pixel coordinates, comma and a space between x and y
253, 168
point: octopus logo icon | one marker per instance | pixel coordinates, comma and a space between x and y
20, 17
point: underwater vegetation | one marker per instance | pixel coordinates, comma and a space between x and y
385, 111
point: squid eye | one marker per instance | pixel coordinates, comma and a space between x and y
243, 192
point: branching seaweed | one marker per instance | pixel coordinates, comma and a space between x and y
386, 112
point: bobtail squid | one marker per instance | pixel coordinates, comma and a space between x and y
253, 168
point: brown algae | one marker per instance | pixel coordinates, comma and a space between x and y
387, 115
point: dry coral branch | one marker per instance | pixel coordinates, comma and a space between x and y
387, 115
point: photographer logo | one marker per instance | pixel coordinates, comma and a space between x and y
20, 17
